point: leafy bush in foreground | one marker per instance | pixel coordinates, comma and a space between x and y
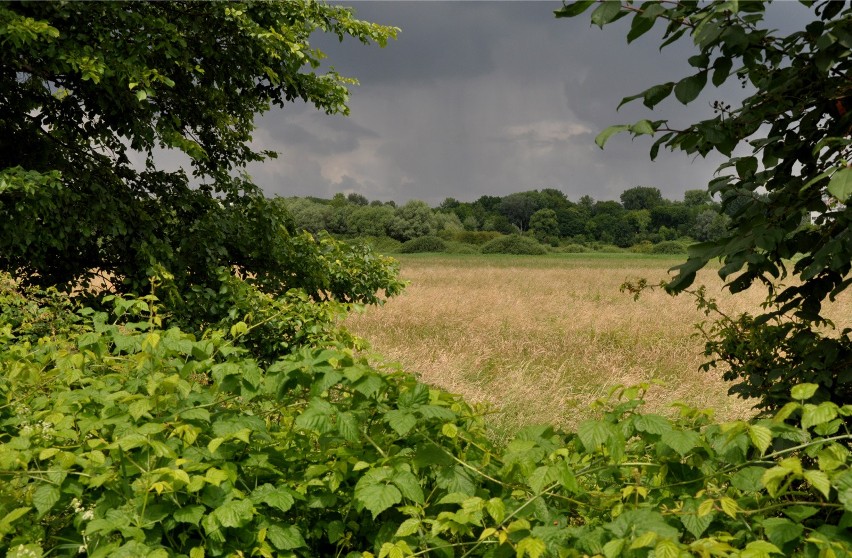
124, 439
513, 244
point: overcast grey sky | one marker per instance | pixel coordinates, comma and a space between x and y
486, 98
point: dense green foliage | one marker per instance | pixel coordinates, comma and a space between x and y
222, 411
84, 97
798, 93
513, 244
119, 438
423, 244
548, 215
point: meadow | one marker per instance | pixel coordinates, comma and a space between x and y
539, 338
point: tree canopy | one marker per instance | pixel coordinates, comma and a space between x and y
795, 123
90, 93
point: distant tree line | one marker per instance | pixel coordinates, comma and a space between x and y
642, 216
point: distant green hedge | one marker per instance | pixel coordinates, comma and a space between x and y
513, 244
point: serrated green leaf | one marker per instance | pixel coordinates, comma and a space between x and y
613, 548
800, 513
818, 480
189, 514
696, 524
593, 434
801, 392
759, 549
748, 479
607, 133
407, 527
729, 506
780, 531
408, 485
496, 509
347, 425
645, 539
530, 546
682, 441
285, 538
652, 424
236, 513
813, 415
317, 416
760, 436
840, 185
276, 497
45, 497
377, 497
666, 549
772, 479
401, 421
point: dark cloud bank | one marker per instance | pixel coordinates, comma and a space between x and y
479, 98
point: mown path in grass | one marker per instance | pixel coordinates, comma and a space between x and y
541, 338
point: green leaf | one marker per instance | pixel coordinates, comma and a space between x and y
721, 70
574, 9
378, 497
276, 497
408, 527
801, 392
593, 434
643, 127
347, 425
818, 480
606, 12
813, 415
840, 185
759, 549
408, 485
285, 538
236, 513
189, 514
530, 546
604, 136
317, 416
772, 479
401, 421
696, 524
654, 95
613, 548
760, 436
748, 479
682, 441
687, 89
800, 513
666, 549
780, 531
652, 424
45, 497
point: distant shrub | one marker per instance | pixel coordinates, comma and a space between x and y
608, 248
513, 244
477, 238
461, 248
572, 248
423, 244
669, 247
383, 244
644, 247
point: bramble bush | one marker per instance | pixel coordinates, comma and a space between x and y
513, 244
120, 438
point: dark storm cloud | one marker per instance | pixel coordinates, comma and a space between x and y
485, 98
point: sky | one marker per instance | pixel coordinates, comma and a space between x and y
488, 98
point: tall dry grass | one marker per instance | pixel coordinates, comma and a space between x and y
539, 339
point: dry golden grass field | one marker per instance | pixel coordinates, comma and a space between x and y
538, 339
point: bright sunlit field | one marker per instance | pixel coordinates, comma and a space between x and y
539, 339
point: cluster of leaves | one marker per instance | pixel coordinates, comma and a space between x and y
88, 88
796, 123
642, 215
119, 438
